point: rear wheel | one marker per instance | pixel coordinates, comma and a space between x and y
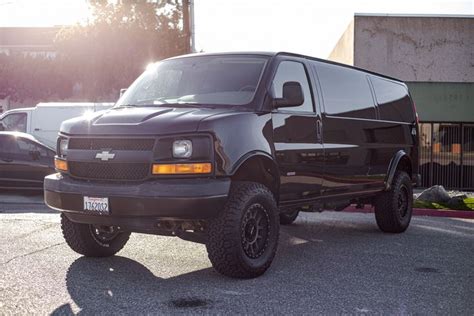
92, 240
289, 217
243, 239
393, 209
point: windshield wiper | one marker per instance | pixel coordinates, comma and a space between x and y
124, 106
168, 105
185, 105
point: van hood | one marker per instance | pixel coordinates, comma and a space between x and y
140, 121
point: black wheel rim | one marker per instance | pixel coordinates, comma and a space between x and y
255, 230
103, 234
402, 201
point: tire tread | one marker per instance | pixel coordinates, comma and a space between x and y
222, 245
79, 239
385, 212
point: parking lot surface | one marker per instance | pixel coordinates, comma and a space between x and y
326, 263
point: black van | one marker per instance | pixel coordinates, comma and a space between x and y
223, 148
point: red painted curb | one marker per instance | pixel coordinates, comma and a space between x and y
419, 212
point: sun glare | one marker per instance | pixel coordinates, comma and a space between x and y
43, 12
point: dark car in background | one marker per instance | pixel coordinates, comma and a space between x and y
24, 162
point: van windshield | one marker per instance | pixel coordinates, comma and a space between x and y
205, 80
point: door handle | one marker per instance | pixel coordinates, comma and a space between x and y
7, 160
318, 130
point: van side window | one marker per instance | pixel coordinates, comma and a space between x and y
393, 100
293, 71
15, 122
346, 92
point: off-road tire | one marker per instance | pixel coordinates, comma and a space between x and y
80, 238
390, 215
288, 218
227, 243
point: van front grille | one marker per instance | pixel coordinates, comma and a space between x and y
140, 144
108, 171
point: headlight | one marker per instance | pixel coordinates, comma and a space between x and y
63, 147
182, 149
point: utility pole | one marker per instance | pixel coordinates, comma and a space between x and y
188, 25
192, 28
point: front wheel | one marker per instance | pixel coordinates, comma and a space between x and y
393, 209
92, 240
243, 239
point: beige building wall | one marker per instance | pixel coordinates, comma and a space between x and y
416, 48
410, 47
343, 52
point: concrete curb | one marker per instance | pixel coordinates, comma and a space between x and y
419, 212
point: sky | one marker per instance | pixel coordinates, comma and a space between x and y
310, 27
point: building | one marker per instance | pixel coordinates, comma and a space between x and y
30, 41
434, 55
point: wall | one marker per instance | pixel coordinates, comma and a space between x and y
443, 101
343, 52
421, 48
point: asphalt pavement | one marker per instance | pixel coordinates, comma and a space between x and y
327, 263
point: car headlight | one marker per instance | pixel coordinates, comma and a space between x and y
63, 143
182, 149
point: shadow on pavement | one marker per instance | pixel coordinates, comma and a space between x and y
23, 201
334, 266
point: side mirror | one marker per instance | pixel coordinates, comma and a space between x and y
122, 91
292, 95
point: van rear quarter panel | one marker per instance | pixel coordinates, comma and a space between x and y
238, 136
358, 147
387, 138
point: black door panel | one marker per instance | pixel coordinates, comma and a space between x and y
347, 155
298, 148
299, 155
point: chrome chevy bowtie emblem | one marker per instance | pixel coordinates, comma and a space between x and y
105, 155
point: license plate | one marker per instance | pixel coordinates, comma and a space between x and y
96, 204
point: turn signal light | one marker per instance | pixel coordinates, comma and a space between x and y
187, 168
60, 164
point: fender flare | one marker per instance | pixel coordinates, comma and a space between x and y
251, 154
274, 170
392, 167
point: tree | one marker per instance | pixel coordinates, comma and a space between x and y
100, 57
120, 39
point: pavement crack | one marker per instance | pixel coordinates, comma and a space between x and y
39, 230
32, 253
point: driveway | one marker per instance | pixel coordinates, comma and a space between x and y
326, 263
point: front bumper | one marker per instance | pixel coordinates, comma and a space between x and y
139, 203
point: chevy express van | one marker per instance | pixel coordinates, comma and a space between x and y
223, 148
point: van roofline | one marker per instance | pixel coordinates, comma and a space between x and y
273, 54
230, 53
16, 110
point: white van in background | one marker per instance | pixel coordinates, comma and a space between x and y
44, 120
